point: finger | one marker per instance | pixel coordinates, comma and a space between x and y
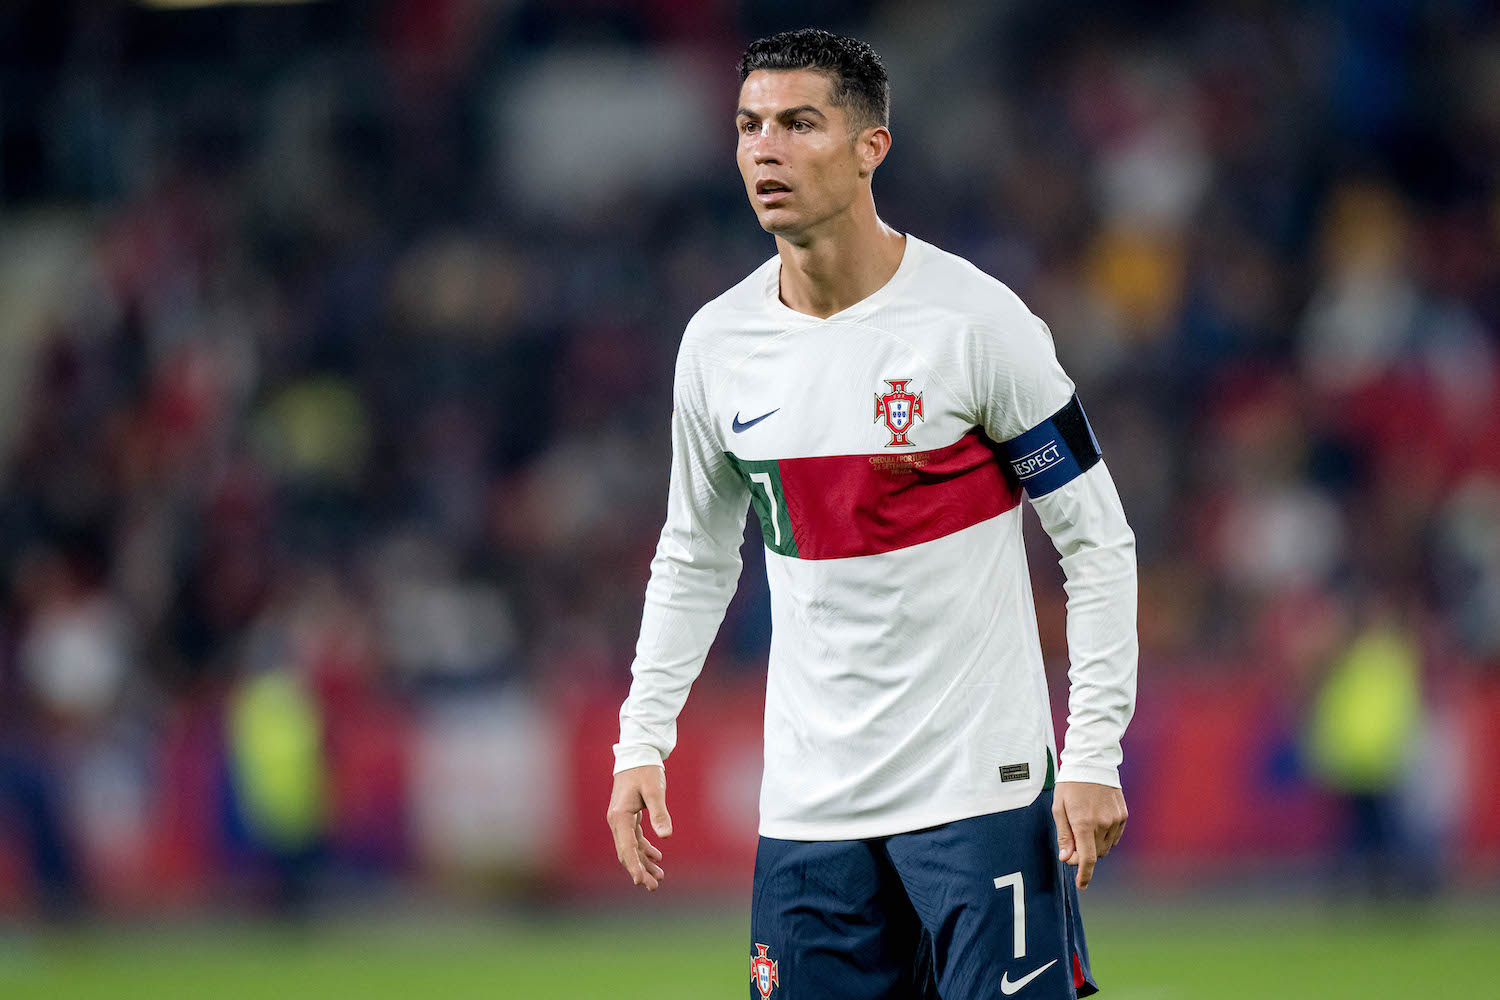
649, 851
1101, 840
648, 856
1112, 836
1087, 857
636, 865
656, 804
1117, 829
1064, 833
623, 829
625, 825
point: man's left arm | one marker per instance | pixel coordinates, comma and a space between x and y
1086, 523
1027, 402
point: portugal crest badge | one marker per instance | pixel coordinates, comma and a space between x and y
763, 972
899, 408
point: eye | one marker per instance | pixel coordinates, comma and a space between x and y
749, 126
801, 125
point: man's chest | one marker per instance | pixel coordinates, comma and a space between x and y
847, 391
852, 442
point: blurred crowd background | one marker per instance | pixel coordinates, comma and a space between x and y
335, 355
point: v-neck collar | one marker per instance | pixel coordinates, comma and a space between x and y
864, 306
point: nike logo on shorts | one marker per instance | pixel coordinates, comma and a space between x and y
1007, 987
737, 426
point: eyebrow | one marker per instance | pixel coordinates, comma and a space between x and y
784, 114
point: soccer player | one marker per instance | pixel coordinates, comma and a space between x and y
884, 405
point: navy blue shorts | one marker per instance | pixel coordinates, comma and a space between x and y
972, 909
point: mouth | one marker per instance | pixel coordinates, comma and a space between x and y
768, 192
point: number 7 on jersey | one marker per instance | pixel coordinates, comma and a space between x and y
763, 478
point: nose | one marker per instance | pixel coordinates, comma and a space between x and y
766, 145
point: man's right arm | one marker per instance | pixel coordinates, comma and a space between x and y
693, 576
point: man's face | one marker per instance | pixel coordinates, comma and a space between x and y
796, 155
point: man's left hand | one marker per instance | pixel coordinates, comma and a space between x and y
1090, 820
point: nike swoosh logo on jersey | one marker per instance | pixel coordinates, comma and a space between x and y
1007, 987
737, 426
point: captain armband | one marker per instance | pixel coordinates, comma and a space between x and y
1054, 452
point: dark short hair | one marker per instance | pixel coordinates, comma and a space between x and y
859, 82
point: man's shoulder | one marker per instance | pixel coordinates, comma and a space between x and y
730, 308
716, 334
963, 287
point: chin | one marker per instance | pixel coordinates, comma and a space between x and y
779, 225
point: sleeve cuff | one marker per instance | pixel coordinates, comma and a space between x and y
628, 755
1097, 774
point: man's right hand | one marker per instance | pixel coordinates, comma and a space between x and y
635, 789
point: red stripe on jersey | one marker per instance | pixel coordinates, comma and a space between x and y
860, 505
1078, 979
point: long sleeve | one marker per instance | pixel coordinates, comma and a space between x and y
1026, 401
693, 576
1086, 523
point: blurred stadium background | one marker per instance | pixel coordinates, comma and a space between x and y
335, 352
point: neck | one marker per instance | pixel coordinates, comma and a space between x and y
848, 259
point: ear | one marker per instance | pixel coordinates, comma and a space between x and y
870, 147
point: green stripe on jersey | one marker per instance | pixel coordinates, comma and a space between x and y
763, 478
1051, 776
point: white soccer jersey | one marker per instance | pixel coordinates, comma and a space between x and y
885, 449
